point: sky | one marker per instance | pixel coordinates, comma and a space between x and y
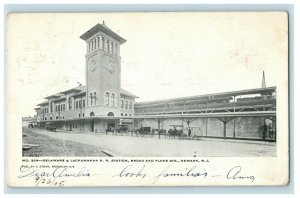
166, 55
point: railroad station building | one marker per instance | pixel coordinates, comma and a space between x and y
102, 104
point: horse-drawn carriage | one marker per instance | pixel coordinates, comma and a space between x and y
175, 132
143, 131
121, 129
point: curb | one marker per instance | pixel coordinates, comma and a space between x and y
109, 153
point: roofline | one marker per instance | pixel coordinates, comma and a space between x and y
210, 115
43, 103
59, 99
70, 90
127, 93
131, 95
99, 27
234, 93
64, 92
52, 96
80, 93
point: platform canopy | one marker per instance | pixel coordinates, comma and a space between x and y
210, 115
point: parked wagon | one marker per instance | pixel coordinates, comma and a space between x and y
50, 127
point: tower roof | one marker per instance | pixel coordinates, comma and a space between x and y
102, 28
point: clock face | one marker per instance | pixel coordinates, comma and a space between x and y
92, 65
110, 64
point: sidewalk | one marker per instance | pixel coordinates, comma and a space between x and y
260, 142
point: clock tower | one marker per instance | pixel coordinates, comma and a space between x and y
103, 67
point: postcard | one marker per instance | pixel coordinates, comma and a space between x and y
147, 99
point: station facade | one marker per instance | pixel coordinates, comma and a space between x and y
80, 108
102, 104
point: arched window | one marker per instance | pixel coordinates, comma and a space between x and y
91, 96
121, 114
107, 46
106, 99
98, 42
95, 98
70, 103
92, 114
116, 50
79, 115
83, 103
111, 47
56, 117
110, 114
102, 42
129, 105
50, 118
112, 100
82, 114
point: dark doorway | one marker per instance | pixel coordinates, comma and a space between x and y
92, 125
111, 127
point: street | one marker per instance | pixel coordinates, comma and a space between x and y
132, 146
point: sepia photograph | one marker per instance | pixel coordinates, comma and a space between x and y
188, 85
100, 117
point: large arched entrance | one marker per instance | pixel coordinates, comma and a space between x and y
110, 125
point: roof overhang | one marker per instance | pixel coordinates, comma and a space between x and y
102, 28
43, 103
71, 90
210, 115
127, 93
79, 94
210, 96
52, 96
59, 99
